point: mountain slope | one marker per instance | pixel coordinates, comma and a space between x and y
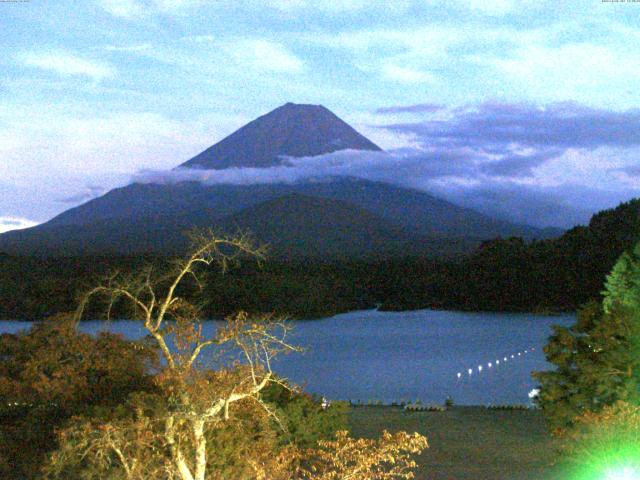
290, 130
151, 217
294, 225
403, 207
297, 225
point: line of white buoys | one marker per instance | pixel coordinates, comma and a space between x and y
497, 362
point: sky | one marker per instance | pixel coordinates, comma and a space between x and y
526, 110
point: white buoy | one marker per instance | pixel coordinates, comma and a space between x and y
505, 359
519, 354
470, 371
512, 356
489, 365
479, 368
459, 374
497, 362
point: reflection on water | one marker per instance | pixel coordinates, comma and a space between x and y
476, 358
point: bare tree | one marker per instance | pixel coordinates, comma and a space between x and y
200, 399
164, 435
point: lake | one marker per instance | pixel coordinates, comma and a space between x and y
405, 356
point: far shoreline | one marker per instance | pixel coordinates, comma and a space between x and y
543, 313
547, 313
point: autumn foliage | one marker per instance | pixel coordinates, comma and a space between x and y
601, 442
211, 408
52, 372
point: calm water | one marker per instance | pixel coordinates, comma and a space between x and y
370, 355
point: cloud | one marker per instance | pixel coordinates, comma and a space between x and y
526, 204
265, 55
68, 64
122, 8
519, 165
544, 165
256, 55
292, 170
417, 108
15, 223
406, 74
80, 152
549, 165
587, 58
542, 68
457, 176
633, 170
137, 9
487, 7
90, 192
562, 125
142, 47
326, 6
532, 62
491, 7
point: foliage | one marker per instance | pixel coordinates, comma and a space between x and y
304, 422
597, 359
388, 457
53, 372
216, 423
603, 442
132, 445
500, 275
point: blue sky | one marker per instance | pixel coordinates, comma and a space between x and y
93, 92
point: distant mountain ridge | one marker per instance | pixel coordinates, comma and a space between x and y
406, 208
152, 217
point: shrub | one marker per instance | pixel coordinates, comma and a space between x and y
598, 359
52, 372
602, 443
514, 406
419, 407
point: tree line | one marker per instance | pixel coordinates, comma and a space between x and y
501, 275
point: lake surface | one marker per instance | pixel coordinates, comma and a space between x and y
396, 356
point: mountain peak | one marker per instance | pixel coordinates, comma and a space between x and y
291, 130
300, 105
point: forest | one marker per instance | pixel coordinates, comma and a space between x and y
500, 275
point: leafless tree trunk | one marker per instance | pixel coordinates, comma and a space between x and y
163, 312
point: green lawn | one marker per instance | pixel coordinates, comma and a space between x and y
471, 443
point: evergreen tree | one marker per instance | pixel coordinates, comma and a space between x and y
598, 358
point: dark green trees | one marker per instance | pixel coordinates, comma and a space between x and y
598, 358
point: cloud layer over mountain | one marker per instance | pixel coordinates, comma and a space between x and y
544, 165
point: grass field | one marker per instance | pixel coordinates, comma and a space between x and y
471, 443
